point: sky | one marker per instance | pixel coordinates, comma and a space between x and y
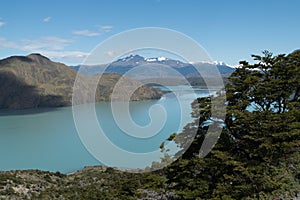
67, 31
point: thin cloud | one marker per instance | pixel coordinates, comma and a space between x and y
65, 54
43, 43
47, 19
50, 43
113, 53
2, 23
7, 44
105, 29
89, 33
66, 57
85, 33
51, 47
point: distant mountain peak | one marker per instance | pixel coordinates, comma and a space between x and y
40, 59
220, 63
133, 60
140, 58
130, 58
156, 59
126, 63
37, 55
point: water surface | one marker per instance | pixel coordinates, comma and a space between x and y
47, 139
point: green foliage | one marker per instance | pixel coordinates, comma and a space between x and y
171, 137
257, 154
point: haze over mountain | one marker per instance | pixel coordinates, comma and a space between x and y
123, 65
35, 81
162, 70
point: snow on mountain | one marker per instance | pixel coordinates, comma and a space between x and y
151, 59
124, 64
161, 58
219, 63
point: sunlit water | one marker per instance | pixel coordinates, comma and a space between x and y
47, 139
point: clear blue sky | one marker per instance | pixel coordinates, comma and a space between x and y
229, 30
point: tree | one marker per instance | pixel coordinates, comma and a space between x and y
257, 154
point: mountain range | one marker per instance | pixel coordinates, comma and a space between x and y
160, 70
123, 65
35, 81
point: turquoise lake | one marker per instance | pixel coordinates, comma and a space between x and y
47, 139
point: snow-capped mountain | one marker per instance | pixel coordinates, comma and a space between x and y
123, 65
134, 60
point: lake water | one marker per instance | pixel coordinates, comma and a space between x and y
47, 139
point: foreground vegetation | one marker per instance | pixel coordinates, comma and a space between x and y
257, 155
90, 183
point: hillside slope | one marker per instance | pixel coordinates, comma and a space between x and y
35, 81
